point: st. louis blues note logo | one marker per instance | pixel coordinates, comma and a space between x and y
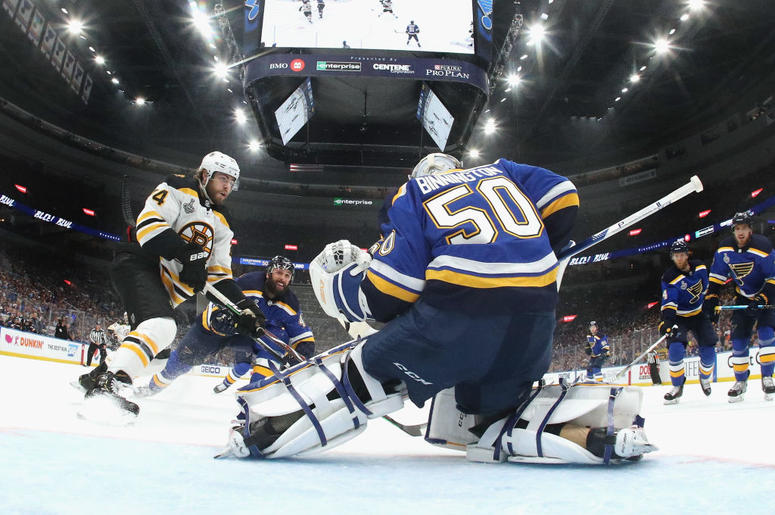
741, 270
486, 7
696, 291
255, 7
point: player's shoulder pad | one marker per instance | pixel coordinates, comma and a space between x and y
670, 274
694, 263
252, 281
224, 211
761, 242
290, 298
179, 181
729, 241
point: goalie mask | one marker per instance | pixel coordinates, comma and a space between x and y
435, 163
219, 162
280, 262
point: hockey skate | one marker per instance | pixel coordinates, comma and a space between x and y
86, 381
104, 404
738, 390
768, 386
220, 388
705, 385
674, 395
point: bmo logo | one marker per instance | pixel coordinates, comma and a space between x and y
278, 66
209, 369
297, 65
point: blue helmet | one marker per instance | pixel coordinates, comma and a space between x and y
743, 217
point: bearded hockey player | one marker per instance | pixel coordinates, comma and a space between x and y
465, 279
183, 241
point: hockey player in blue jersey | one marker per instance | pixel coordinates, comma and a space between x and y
683, 293
215, 331
411, 31
747, 259
465, 278
598, 351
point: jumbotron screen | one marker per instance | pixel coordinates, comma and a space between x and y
415, 25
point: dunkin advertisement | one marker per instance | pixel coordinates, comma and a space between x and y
19, 343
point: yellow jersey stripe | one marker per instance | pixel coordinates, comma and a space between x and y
391, 289
222, 218
725, 249
691, 313
258, 369
677, 279
170, 287
189, 191
151, 344
714, 280
474, 281
137, 350
154, 227
758, 252
222, 269
401, 191
148, 214
569, 200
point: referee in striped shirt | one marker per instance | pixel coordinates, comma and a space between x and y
97, 340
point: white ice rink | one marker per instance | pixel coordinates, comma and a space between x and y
714, 458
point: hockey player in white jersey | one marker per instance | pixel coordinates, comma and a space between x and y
182, 241
306, 8
465, 279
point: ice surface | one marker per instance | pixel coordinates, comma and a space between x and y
714, 457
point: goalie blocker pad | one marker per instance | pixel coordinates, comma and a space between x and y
320, 396
594, 406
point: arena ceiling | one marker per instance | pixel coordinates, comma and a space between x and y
564, 107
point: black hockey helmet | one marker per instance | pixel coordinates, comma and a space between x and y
743, 217
592, 323
679, 246
282, 263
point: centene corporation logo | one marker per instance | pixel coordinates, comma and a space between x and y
297, 65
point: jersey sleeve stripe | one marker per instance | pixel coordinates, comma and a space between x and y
147, 221
716, 278
670, 305
725, 249
700, 267
689, 313
146, 233
758, 252
146, 214
391, 289
474, 281
481, 267
401, 191
563, 188
222, 269
390, 273
306, 335
677, 279
569, 200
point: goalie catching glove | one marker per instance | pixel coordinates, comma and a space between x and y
336, 274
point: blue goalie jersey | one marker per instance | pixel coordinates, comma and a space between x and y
752, 268
283, 315
476, 240
683, 293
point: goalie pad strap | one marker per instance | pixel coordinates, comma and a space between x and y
511, 422
548, 415
609, 448
349, 388
340, 389
255, 452
304, 406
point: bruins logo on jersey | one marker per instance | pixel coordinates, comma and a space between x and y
695, 290
199, 233
741, 270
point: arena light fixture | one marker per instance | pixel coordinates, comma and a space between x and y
513, 80
569, 318
140, 101
704, 213
74, 27
755, 193
88, 212
536, 34
289, 246
221, 70
695, 5
489, 126
684, 17
625, 90
201, 21
254, 145
651, 304
240, 117
661, 46
99, 59
474, 153
634, 78
114, 80
20, 188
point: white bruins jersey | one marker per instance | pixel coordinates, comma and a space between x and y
176, 204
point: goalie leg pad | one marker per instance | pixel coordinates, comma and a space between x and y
315, 405
523, 435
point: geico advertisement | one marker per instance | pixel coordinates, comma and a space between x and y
19, 342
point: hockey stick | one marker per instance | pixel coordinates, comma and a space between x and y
636, 360
694, 185
223, 299
126, 206
743, 306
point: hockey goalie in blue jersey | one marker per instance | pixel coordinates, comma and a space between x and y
683, 293
465, 278
747, 259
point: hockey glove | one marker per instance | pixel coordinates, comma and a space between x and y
194, 272
757, 300
251, 321
709, 308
